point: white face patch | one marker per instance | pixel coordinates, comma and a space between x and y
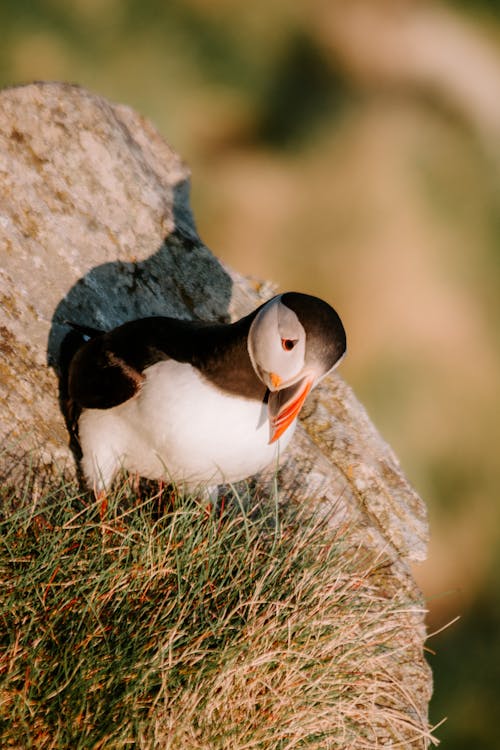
276, 344
288, 323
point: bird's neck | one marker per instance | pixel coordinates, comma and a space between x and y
227, 363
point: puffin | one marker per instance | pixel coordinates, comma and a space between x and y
198, 404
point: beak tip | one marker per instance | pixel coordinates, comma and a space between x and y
288, 412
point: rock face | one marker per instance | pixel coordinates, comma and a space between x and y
96, 228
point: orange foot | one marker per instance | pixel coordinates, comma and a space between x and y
102, 503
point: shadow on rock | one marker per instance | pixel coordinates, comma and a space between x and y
181, 279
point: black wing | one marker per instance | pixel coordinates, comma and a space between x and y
99, 378
109, 369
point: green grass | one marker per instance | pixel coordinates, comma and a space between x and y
192, 627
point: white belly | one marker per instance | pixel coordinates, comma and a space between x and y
178, 428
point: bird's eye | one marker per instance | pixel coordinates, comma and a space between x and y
288, 344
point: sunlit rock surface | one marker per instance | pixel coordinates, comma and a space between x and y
96, 228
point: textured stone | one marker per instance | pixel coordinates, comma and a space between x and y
96, 228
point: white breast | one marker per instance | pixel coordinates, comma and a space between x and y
179, 428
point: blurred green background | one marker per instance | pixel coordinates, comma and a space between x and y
351, 149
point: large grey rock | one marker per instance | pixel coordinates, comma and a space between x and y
95, 227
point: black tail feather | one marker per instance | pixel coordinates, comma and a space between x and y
84, 330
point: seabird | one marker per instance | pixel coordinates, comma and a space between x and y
197, 403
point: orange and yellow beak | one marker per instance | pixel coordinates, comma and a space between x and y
284, 406
275, 380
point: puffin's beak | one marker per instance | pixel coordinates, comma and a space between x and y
284, 405
275, 380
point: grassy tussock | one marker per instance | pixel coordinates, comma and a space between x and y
193, 628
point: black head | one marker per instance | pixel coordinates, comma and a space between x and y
325, 333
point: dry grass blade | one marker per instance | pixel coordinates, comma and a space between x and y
195, 629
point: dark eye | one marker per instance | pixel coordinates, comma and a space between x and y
288, 344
